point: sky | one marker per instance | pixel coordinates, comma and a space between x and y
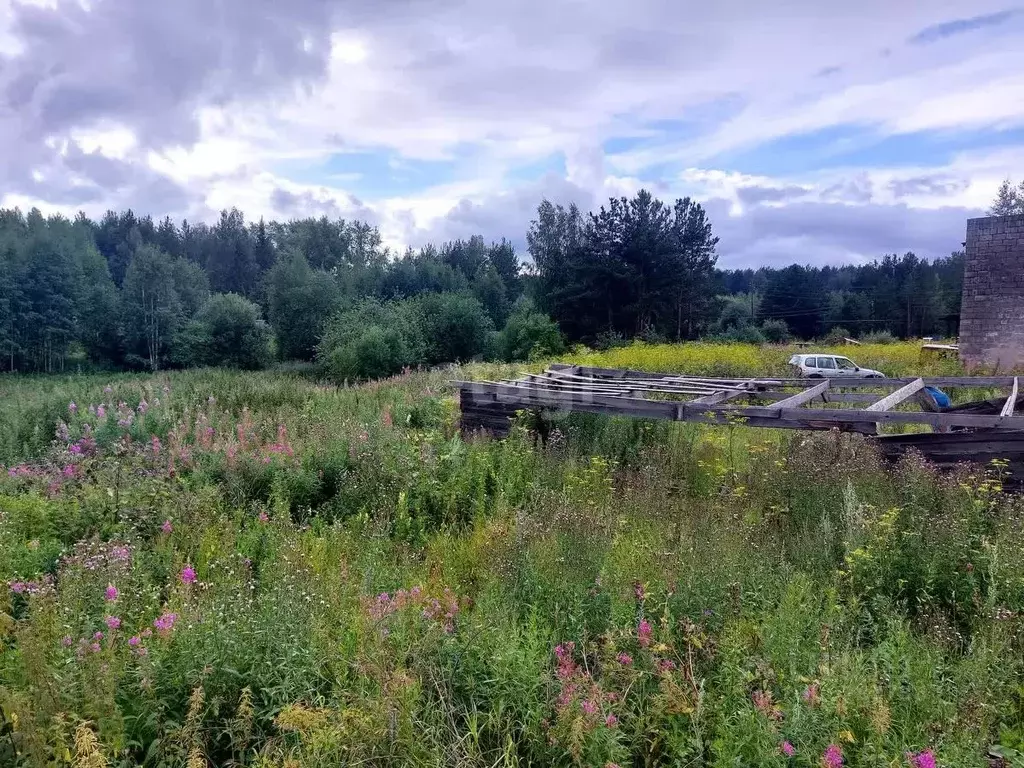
813, 132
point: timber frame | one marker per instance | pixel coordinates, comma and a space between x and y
848, 404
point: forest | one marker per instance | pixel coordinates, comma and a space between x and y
131, 292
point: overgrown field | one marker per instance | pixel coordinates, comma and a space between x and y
212, 568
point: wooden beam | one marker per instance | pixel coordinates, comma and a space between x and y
1011, 401
898, 396
801, 397
720, 396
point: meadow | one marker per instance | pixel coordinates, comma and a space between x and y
216, 568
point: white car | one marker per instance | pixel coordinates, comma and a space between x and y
821, 366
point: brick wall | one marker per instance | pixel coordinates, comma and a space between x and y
992, 312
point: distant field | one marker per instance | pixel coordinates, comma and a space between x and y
212, 568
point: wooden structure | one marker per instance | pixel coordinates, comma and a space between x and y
976, 431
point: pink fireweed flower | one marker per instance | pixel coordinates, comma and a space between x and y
638, 590
101, 412
765, 705
611, 721
666, 665
143, 407
76, 449
624, 659
588, 707
66, 641
94, 647
833, 757
155, 445
810, 695
167, 527
111, 593
264, 517
925, 759
97, 636
113, 622
18, 587
787, 749
69, 470
142, 651
147, 632
188, 575
72, 407
165, 622
134, 641
643, 633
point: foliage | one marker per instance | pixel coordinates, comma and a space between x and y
227, 330
1009, 200
225, 568
300, 301
455, 326
633, 266
529, 335
371, 339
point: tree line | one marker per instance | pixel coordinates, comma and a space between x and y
130, 292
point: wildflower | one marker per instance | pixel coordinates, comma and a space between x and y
666, 665
167, 527
111, 593
787, 749
588, 707
94, 647
142, 651
611, 721
69, 470
764, 704
263, 517
188, 575
164, 622
143, 407
18, 587
925, 759
155, 444
120, 552
108, 389
638, 590
62, 432
833, 757
810, 695
147, 632
76, 449
624, 659
113, 622
72, 407
643, 633
97, 636
134, 641
101, 412
66, 641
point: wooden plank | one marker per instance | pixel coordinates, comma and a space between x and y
653, 384
1011, 401
897, 397
802, 397
720, 396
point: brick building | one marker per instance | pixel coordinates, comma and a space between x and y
992, 311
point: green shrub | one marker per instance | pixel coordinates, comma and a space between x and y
227, 330
775, 331
455, 326
529, 334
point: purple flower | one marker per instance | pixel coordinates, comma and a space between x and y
143, 407
101, 412
643, 633
120, 552
787, 749
833, 757
97, 636
72, 407
188, 575
165, 622
113, 622
94, 647
167, 527
111, 593
624, 659
925, 759
611, 721
76, 449
18, 587
108, 389
69, 470
588, 707
66, 641
810, 695
263, 517
134, 641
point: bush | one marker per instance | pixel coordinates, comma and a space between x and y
775, 331
371, 339
227, 330
836, 335
455, 326
878, 337
301, 301
529, 334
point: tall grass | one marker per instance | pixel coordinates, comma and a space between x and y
287, 573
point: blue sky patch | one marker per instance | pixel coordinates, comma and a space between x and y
946, 29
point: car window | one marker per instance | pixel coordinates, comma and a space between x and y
811, 362
845, 363
827, 362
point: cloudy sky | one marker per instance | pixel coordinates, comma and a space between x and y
813, 131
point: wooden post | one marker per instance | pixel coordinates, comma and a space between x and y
898, 396
1011, 401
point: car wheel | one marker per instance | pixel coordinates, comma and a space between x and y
815, 376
